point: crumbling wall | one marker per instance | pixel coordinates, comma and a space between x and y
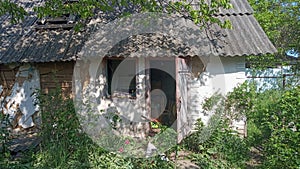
56, 75
19, 99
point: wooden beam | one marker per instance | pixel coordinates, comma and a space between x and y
57, 19
55, 26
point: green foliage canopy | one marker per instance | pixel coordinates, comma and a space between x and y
16, 12
201, 14
280, 19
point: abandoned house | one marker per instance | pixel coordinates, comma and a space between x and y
172, 56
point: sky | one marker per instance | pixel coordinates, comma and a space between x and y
290, 53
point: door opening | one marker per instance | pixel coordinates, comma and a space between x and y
163, 91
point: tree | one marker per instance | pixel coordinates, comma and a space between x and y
201, 14
280, 19
16, 12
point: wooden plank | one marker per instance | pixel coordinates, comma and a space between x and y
183, 126
57, 19
4, 80
55, 26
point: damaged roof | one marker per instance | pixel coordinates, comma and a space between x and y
24, 43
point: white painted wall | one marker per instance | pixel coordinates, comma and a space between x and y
221, 76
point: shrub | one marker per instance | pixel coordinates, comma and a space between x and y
274, 122
277, 116
65, 146
222, 149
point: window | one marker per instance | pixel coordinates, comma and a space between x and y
123, 72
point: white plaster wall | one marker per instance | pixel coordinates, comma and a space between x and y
221, 76
91, 89
22, 98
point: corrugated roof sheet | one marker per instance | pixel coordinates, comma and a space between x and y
149, 45
240, 7
22, 43
246, 37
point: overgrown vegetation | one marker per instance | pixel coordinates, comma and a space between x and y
275, 119
273, 125
274, 122
222, 149
64, 145
4, 137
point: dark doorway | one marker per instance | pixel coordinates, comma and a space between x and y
163, 91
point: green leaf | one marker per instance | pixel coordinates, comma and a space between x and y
212, 151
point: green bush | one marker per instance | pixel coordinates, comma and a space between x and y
273, 123
4, 138
220, 148
277, 115
273, 118
65, 146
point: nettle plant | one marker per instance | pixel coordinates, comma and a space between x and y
117, 137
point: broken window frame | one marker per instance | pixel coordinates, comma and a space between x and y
109, 75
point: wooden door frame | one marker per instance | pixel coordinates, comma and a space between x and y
179, 98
